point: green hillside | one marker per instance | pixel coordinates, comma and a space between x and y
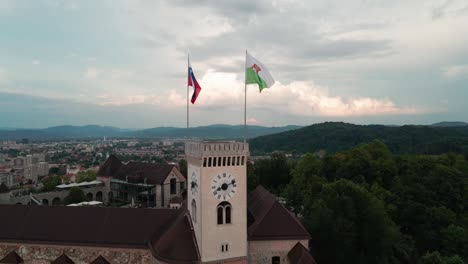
336, 136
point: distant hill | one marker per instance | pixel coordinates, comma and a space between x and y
94, 131
449, 124
213, 131
334, 136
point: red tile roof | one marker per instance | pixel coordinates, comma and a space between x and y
100, 260
300, 255
12, 258
270, 220
110, 167
97, 225
178, 244
63, 259
154, 173
163, 231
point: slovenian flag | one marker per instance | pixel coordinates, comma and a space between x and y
193, 83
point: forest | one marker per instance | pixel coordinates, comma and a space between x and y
369, 205
331, 137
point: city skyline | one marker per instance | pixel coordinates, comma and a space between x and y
123, 63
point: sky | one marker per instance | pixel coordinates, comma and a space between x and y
124, 63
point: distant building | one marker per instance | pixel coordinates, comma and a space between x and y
8, 179
144, 183
33, 166
3, 158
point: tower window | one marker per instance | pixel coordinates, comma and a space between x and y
224, 213
204, 162
225, 247
238, 160
224, 161
219, 161
275, 260
209, 162
220, 215
227, 210
229, 161
243, 160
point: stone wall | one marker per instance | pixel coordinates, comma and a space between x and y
262, 252
44, 254
48, 197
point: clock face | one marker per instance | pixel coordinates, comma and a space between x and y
194, 183
223, 186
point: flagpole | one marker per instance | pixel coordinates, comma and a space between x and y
188, 66
245, 98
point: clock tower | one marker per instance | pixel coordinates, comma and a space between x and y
217, 199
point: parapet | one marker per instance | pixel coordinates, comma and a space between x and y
211, 148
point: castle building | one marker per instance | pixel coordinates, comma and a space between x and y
150, 184
218, 223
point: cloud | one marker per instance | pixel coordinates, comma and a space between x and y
226, 91
327, 63
91, 73
252, 120
3, 76
449, 8
36, 62
455, 71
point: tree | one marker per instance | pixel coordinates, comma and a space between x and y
436, 258
305, 182
273, 172
252, 178
86, 176
349, 225
183, 167
76, 195
455, 241
50, 183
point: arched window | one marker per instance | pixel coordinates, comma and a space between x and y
194, 211
220, 215
227, 210
224, 213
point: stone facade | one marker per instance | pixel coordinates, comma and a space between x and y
262, 252
44, 254
163, 192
